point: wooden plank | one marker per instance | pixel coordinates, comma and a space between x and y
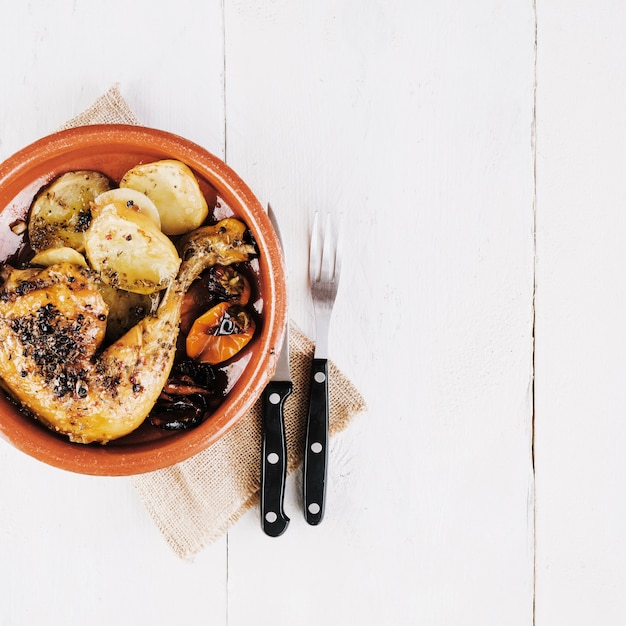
415, 121
58, 58
81, 550
581, 308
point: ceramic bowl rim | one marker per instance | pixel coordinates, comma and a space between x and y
44, 158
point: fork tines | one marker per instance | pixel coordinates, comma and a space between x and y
324, 261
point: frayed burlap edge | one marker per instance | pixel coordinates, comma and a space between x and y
195, 502
109, 108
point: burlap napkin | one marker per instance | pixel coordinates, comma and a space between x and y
196, 501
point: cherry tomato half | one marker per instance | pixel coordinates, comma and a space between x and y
219, 334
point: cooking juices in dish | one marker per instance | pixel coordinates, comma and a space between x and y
126, 301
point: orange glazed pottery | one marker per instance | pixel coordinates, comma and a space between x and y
114, 149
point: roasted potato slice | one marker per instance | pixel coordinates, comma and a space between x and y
129, 251
175, 191
52, 256
133, 199
60, 213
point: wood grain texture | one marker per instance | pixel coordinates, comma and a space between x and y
415, 121
75, 549
57, 58
581, 308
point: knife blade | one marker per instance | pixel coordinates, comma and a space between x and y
273, 444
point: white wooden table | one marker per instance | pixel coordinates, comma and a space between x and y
477, 150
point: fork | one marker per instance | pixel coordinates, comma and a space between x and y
324, 271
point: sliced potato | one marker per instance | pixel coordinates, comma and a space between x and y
129, 251
59, 255
60, 213
133, 199
174, 189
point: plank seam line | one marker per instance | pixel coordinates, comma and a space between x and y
534, 314
225, 127
224, 131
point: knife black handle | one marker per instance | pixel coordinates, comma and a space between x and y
316, 444
274, 459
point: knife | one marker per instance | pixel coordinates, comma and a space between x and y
273, 445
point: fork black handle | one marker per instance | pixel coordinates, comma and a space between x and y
316, 444
274, 458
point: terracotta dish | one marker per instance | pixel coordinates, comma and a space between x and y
114, 149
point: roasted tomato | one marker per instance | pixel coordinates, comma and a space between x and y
221, 283
220, 333
225, 283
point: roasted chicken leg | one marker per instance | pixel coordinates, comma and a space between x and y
53, 323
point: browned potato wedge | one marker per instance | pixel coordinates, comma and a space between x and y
59, 255
174, 189
129, 251
60, 213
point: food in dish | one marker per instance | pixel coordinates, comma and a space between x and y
89, 343
174, 190
59, 215
130, 198
220, 333
128, 250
